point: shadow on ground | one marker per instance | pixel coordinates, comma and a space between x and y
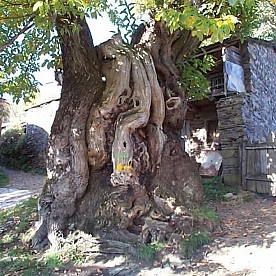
244, 245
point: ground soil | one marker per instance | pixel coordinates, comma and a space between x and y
243, 244
21, 186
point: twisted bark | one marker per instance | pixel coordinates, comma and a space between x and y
115, 160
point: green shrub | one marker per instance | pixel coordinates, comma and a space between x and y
204, 212
12, 147
215, 189
193, 241
148, 251
4, 180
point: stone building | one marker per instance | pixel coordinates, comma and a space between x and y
241, 106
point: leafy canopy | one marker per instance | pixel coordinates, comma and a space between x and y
266, 20
193, 75
27, 29
27, 35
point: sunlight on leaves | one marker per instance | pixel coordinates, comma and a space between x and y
37, 5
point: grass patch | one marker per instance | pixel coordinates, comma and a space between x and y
248, 197
28, 169
193, 241
15, 257
52, 260
7, 238
205, 212
22, 262
149, 251
4, 180
19, 218
214, 189
18, 259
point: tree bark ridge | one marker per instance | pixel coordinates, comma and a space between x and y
115, 160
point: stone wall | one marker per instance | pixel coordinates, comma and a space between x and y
259, 108
36, 144
250, 115
231, 131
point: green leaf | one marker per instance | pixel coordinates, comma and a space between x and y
194, 32
182, 18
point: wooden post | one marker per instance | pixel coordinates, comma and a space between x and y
243, 168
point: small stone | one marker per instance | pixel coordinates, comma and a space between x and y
187, 263
116, 270
167, 265
175, 262
229, 196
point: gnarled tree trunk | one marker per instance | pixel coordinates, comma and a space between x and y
115, 158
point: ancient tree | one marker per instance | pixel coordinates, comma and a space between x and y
116, 167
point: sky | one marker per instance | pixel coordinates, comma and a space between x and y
101, 30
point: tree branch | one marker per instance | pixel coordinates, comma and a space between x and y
28, 26
78, 52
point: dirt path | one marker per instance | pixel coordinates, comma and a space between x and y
21, 186
247, 243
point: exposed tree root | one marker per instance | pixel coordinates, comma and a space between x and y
88, 244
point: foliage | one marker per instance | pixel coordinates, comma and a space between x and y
4, 180
205, 212
193, 241
123, 16
12, 148
13, 151
21, 59
212, 19
193, 76
15, 256
265, 21
215, 189
27, 34
27, 30
148, 251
